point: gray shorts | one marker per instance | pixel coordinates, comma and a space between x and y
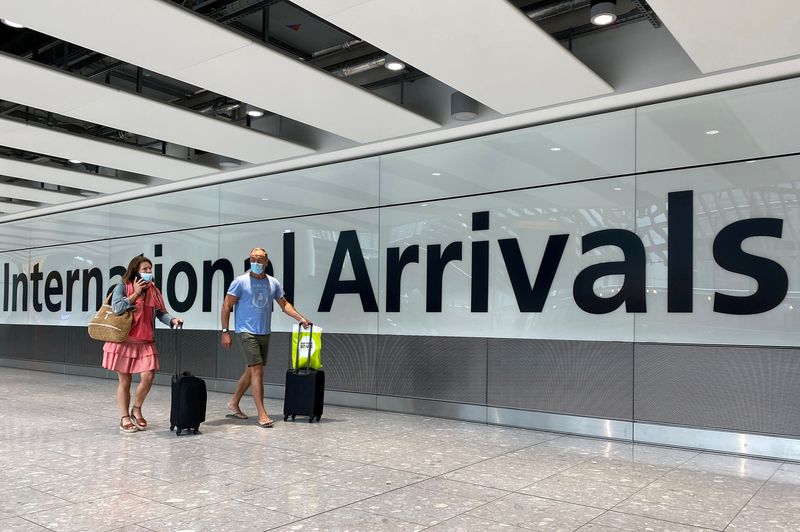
255, 348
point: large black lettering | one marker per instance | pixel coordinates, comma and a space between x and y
158, 268
72, 277
532, 298
53, 287
680, 251
348, 245
288, 266
209, 269
6, 276
182, 267
18, 280
89, 275
395, 262
479, 291
437, 260
632, 292
772, 280
36, 277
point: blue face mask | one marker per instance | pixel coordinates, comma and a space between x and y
256, 268
146, 277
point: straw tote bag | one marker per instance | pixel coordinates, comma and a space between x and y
107, 326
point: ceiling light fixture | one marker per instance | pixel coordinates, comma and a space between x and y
393, 63
75, 161
462, 107
555, 148
712, 132
603, 12
255, 112
12, 24
436, 173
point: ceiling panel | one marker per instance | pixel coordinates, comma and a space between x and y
35, 194
63, 177
184, 46
305, 94
723, 34
47, 141
10, 208
488, 50
28, 83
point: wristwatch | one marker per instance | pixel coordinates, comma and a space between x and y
226, 330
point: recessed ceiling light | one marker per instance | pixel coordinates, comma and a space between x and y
750, 161
12, 24
255, 112
712, 132
424, 205
603, 12
617, 188
393, 63
436, 173
75, 161
264, 199
555, 148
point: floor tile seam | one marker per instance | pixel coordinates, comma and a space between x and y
753, 496
180, 510
668, 520
626, 499
507, 496
49, 495
370, 496
654, 519
33, 523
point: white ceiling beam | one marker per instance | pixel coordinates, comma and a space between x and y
48, 141
188, 47
724, 34
42, 87
489, 50
36, 194
64, 177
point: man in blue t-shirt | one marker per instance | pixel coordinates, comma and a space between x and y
251, 295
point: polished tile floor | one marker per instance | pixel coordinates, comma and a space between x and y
65, 466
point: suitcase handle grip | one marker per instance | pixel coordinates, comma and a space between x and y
297, 351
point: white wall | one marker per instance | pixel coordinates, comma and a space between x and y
531, 192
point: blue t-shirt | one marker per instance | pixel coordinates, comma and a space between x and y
253, 310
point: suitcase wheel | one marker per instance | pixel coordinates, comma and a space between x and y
285, 417
311, 419
171, 428
195, 431
178, 432
318, 418
293, 417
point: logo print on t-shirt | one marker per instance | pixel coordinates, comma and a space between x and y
260, 297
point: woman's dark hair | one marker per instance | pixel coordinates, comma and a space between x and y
133, 268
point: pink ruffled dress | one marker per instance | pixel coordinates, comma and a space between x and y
138, 352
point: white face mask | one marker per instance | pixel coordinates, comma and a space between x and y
146, 277
256, 268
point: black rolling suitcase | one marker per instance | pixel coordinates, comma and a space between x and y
305, 389
189, 397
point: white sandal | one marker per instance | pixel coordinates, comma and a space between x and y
129, 427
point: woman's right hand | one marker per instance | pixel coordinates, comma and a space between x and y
138, 286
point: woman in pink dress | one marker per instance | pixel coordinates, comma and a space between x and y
137, 354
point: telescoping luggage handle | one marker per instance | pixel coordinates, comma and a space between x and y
310, 347
177, 327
